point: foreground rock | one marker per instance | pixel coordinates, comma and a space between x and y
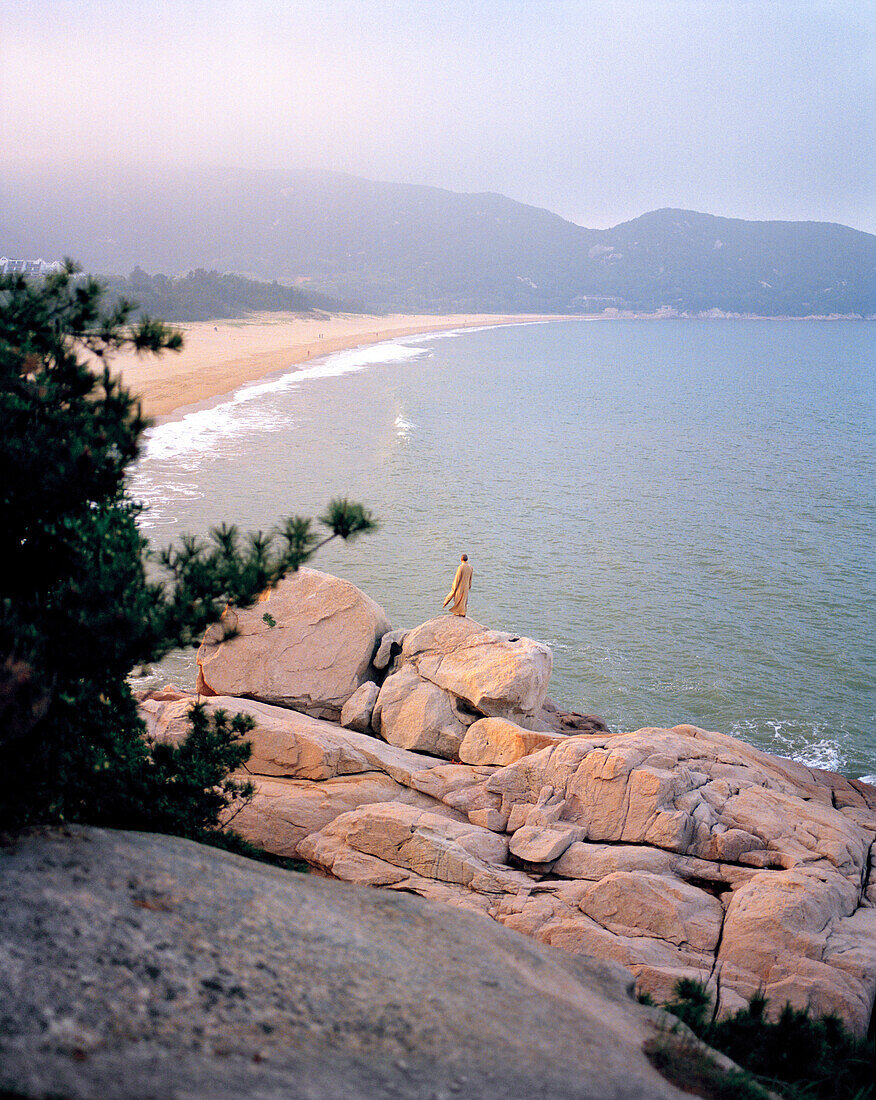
675, 852
149, 967
307, 645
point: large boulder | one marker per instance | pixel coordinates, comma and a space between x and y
497, 674
415, 714
308, 644
498, 741
145, 966
450, 672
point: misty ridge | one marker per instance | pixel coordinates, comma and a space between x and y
336, 241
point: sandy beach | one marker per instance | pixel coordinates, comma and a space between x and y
219, 356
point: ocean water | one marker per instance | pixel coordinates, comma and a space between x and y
682, 510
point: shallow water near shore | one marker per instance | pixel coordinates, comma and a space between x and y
683, 510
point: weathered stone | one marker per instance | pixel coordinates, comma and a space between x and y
647, 827
148, 966
498, 741
655, 963
489, 817
543, 836
801, 936
415, 714
651, 837
543, 843
286, 743
448, 673
412, 839
596, 861
851, 947
496, 674
799, 829
390, 646
692, 792
283, 813
446, 780
307, 645
628, 902
358, 709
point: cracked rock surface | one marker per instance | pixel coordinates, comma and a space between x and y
675, 852
307, 644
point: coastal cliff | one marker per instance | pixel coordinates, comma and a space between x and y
432, 762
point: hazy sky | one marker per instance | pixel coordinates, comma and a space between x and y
597, 109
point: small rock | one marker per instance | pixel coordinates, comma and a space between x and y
358, 709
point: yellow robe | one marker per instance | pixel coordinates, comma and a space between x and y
460, 590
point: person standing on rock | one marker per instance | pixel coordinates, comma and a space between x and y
461, 588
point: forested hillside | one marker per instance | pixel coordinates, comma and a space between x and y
396, 246
203, 295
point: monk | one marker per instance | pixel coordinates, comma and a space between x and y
461, 588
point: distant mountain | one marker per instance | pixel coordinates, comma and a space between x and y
394, 246
699, 262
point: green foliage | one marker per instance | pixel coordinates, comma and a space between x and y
798, 1056
78, 610
347, 519
683, 1061
186, 786
690, 1004
203, 295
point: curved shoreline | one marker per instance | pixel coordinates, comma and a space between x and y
220, 356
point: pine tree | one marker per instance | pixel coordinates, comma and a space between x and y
78, 608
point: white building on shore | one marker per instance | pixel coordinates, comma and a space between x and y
8, 266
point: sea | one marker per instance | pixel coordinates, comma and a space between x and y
683, 510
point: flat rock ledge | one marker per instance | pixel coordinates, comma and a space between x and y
148, 967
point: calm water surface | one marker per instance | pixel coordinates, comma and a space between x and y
682, 510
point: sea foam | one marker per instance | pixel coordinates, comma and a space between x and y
250, 410
815, 746
452, 333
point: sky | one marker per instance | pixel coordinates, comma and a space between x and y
599, 110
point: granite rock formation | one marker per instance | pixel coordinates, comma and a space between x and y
307, 644
450, 672
675, 852
145, 966
678, 853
